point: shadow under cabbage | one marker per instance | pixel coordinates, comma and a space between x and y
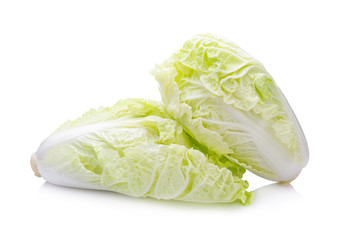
272, 194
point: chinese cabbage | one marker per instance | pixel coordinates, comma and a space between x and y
228, 102
135, 148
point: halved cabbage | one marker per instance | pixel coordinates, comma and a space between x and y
228, 102
136, 148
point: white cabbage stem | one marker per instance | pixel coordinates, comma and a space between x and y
34, 166
288, 181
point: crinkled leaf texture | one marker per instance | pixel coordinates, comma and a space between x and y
136, 148
228, 102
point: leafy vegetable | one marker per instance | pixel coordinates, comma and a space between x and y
228, 102
136, 148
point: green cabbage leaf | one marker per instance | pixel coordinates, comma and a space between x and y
230, 104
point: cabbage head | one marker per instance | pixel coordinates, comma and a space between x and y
135, 148
230, 104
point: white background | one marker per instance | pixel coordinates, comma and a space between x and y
60, 58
